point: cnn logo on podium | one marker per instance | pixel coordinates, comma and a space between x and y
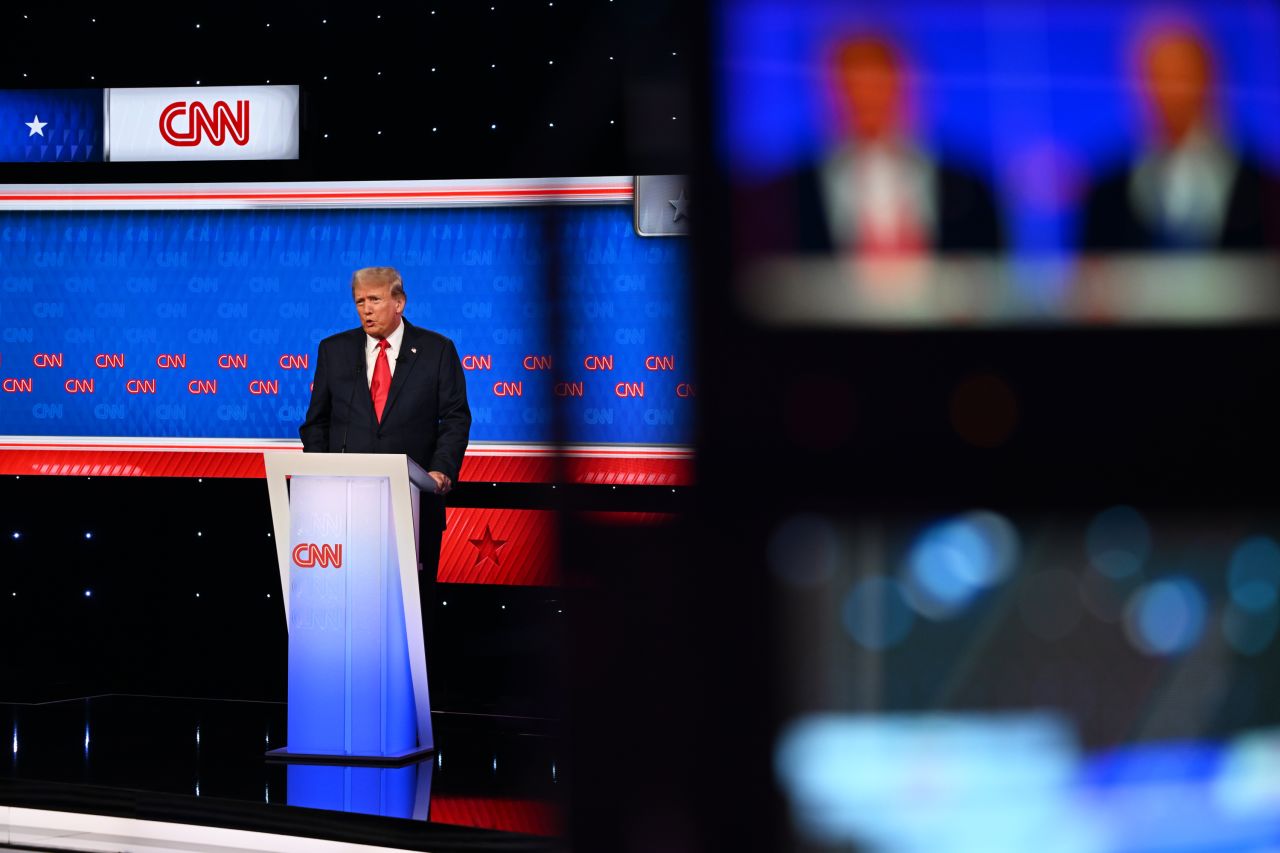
307, 555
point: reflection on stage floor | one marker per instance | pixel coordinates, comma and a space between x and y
490, 774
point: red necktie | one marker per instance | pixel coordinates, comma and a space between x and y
381, 383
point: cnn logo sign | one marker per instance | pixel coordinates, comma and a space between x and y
307, 555
186, 124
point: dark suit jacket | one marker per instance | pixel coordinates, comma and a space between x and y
426, 415
1252, 218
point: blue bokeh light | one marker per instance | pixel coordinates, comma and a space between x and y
951, 561
1254, 574
1166, 617
875, 613
1118, 542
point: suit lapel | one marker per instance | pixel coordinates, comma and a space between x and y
404, 364
362, 401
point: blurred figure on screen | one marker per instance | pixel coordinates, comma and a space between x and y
877, 193
1188, 190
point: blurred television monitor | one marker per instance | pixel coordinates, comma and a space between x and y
917, 165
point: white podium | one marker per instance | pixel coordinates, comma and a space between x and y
347, 542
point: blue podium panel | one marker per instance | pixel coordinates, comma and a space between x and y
350, 685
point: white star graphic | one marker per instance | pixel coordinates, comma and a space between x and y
36, 126
681, 205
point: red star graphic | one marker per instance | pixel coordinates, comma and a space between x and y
488, 547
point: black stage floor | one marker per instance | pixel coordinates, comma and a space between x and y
493, 782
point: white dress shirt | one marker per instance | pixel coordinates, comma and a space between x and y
867, 189
393, 351
1186, 190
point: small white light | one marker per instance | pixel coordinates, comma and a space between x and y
88, 593
197, 595
379, 133
324, 20
197, 82
433, 130
673, 118
379, 73
268, 25
268, 535
326, 136
268, 595
17, 535
493, 65
551, 124
88, 535
493, 127
201, 479
610, 121
199, 532
504, 607
91, 77
13, 595
673, 53
197, 26
325, 77
551, 62
444, 604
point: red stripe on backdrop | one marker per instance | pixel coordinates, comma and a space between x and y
350, 195
212, 462
130, 463
597, 470
516, 547
507, 814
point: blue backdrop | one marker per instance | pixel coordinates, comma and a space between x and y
205, 324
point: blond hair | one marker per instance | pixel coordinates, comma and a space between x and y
390, 275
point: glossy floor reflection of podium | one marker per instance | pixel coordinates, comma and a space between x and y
403, 792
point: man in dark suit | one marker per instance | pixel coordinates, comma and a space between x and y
1189, 190
391, 387
877, 194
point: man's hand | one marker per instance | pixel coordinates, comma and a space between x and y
443, 483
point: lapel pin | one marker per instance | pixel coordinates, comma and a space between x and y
413, 350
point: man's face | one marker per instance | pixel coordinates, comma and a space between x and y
1177, 77
870, 81
379, 311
